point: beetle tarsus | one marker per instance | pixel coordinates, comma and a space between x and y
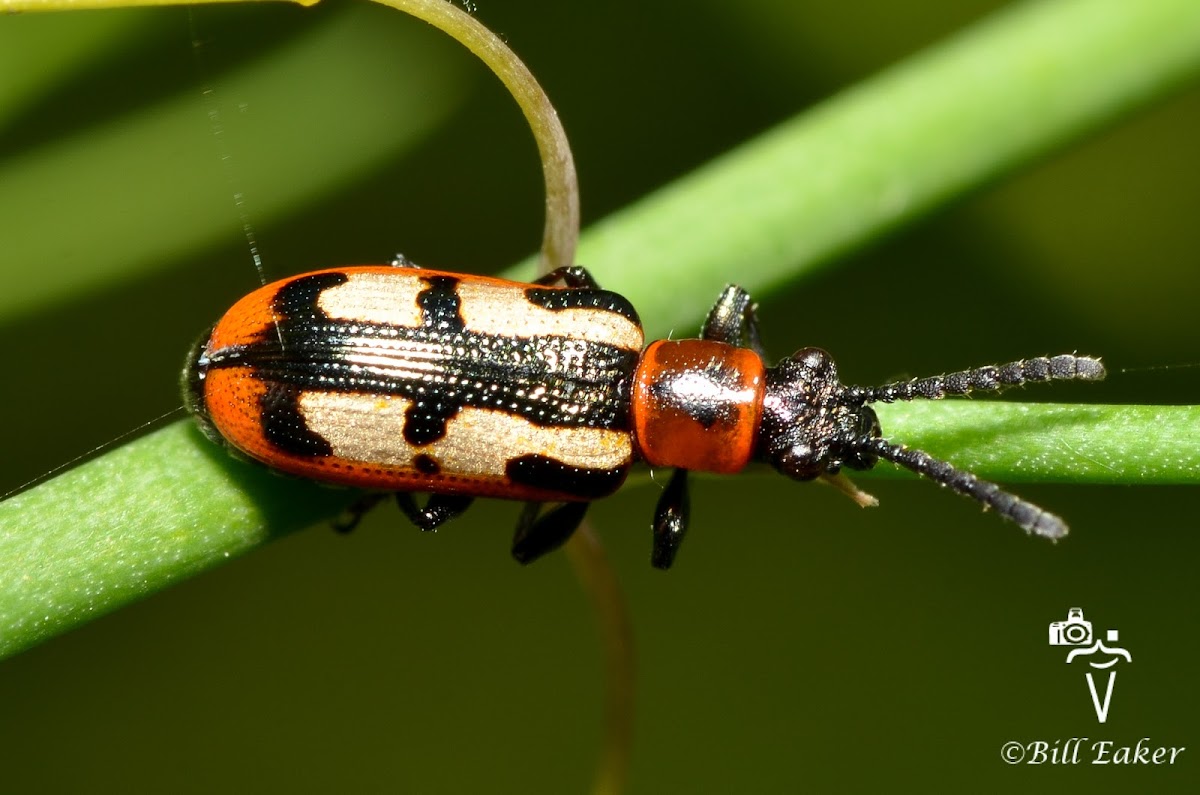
569, 275
354, 514
536, 535
671, 520
439, 509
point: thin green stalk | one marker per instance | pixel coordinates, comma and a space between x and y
947, 121
942, 123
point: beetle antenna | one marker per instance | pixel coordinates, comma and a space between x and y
992, 378
1028, 516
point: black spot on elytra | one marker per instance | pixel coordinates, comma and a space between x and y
440, 305
441, 314
425, 421
298, 298
582, 298
543, 472
284, 426
427, 464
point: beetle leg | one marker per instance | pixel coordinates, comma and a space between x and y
671, 520
570, 275
400, 261
354, 514
439, 509
733, 320
536, 535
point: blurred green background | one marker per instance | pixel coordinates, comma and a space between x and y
799, 643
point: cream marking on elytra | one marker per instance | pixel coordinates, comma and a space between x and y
489, 309
391, 298
388, 298
370, 428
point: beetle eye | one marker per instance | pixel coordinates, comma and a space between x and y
817, 362
856, 453
868, 423
800, 462
860, 459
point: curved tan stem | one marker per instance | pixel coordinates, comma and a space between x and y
599, 581
561, 233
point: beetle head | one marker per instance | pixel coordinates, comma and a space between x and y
812, 424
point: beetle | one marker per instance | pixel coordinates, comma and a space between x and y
397, 379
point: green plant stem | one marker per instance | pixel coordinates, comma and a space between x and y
170, 505
1001, 93
1052, 442
134, 521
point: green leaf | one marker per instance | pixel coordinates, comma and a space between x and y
136, 228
